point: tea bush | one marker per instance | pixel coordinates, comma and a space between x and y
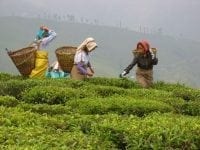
122, 83
107, 91
155, 131
8, 101
157, 95
52, 95
5, 77
169, 87
110, 131
98, 113
191, 108
16, 87
118, 105
187, 94
46, 109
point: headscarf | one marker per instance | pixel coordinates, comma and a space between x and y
145, 45
89, 43
42, 32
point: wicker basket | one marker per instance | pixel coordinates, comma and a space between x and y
135, 51
65, 56
24, 60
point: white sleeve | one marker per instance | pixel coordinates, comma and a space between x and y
47, 40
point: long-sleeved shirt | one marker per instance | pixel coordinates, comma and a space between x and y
143, 62
45, 41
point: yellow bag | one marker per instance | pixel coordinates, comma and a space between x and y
41, 65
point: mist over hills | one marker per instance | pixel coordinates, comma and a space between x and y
178, 58
174, 17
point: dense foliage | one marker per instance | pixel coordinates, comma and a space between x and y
98, 113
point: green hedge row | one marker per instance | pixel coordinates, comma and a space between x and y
52, 95
139, 107
191, 108
45, 109
81, 101
5, 76
16, 87
122, 83
8, 101
111, 131
39, 138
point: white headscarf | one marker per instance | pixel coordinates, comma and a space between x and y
89, 43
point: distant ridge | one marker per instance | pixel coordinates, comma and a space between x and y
178, 58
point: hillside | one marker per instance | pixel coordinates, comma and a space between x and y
99, 113
178, 58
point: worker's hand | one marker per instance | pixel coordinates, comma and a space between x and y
90, 74
123, 74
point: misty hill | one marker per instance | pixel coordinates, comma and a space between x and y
178, 58
155, 14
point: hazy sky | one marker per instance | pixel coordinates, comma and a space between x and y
178, 17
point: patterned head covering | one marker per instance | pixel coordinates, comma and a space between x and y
42, 32
39, 34
144, 44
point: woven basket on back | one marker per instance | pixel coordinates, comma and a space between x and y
65, 56
24, 60
135, 51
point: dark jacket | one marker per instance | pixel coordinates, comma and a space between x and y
142, 62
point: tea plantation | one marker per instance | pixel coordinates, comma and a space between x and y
97, 114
